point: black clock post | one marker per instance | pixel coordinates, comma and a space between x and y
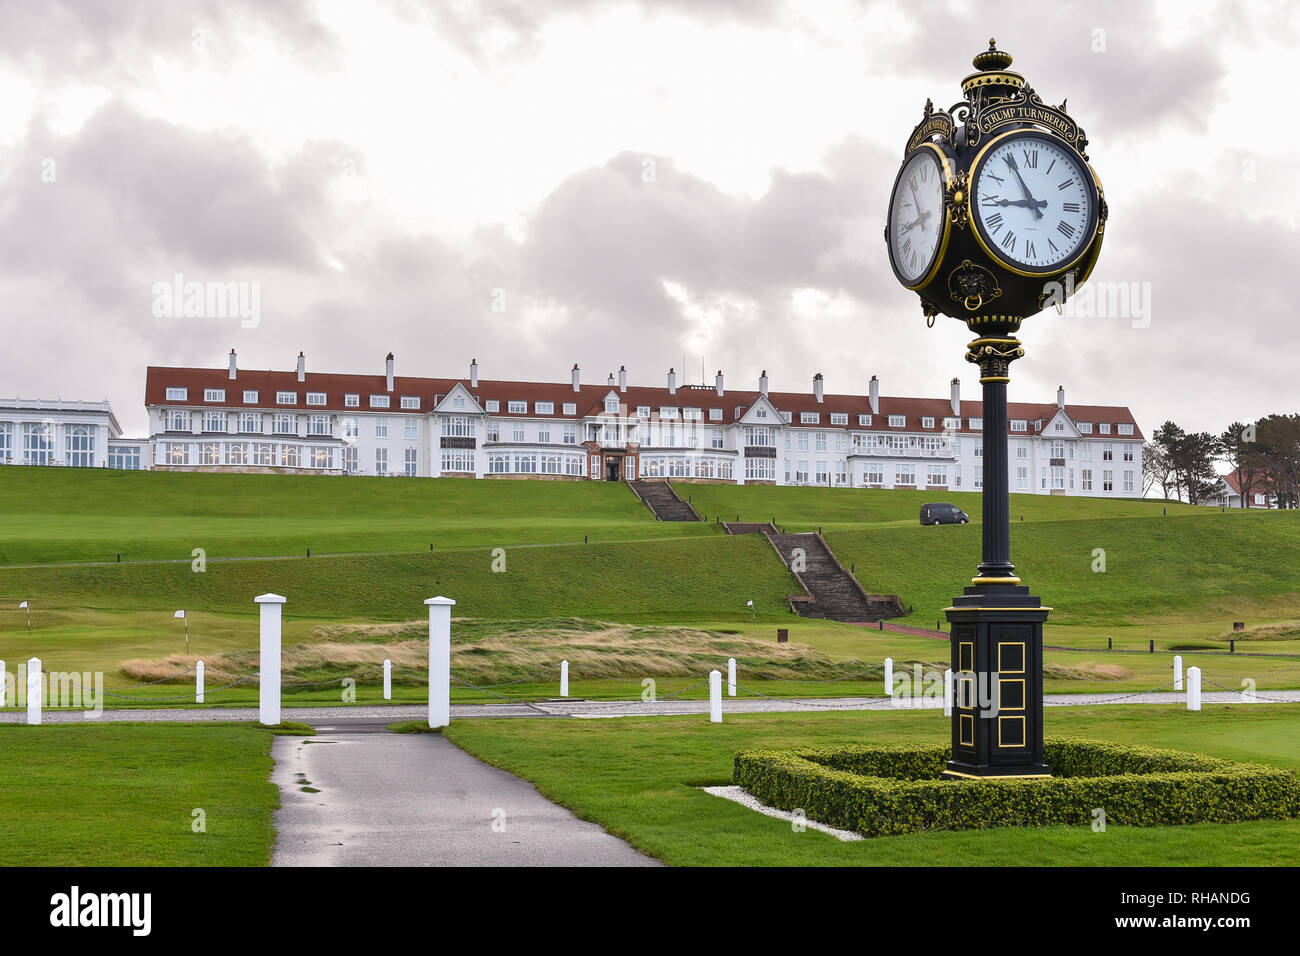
1016, 227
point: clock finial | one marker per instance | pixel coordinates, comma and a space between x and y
992, 58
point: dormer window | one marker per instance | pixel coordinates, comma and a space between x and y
611, 405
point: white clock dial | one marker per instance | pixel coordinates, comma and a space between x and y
1034, 202
916, 216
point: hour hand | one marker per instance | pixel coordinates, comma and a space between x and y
1028, 203
1033, 203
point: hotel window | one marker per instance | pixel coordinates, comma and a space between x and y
809, 418
668, 411
927, 422
350, 465
457, 402
1019, 425
80, 446
841, 441
457, 459
839, 418
716, 438
760, 435
178, 421
381, 461
761, 469
517, 408
321, 457
286, 424
1126, 429
411, 402
264, 454
611, 405
570, 434
785, 417
250, 396
493, 405
1085, 451
351, 428
864, 419
544, 408
1058, 477
692, 414
715, 414
821, 441
214, 421
1107, 453
315, 398
897, 421
289, 456
381, 428
760, 413
286, 398
457, 426
210, 453
937, 475
875, 474
1058, 449
1085, 428
120, 457
411, 428
570, 408
178, 394
1128, 481
979, 476
409, 458
544, 433
1107, 480
214, 394
493, 431
518, 432
318, 425
977, 424
1128, 452
498, 464
956, 476
952, 424
823, 476
801, 440
525, 464
1060, 427
905, 474
1104, 428
378, 401
352, 401
643, 411
1022, 478
178, 453
237, 453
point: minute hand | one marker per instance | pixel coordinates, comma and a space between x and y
1033, 203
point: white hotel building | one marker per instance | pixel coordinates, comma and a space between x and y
307, 422
78, 434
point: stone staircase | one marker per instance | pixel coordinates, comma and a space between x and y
749, 527
833, 593
660, 498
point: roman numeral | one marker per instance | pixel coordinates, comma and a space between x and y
1009, 240
911, 182
907, 245
912, 261
995, 177
1031, 158
1030, 252
1051, 245
1067, 184
1071, 207
1049, 168
994, 222
1065, 229
989, 201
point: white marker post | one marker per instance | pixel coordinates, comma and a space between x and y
564, 678
731, 677
440, 660
889, 677
947, 692
34, 691
198, 683
268, 698
388, 680
1178, 672
715, 697
1193, 688
3, 688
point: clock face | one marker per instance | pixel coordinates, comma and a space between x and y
1034, 202
917, 216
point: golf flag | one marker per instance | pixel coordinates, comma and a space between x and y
749, 604
23, 605
179, 614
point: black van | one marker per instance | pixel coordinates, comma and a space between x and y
943, 513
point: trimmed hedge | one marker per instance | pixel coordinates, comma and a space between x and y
879, 791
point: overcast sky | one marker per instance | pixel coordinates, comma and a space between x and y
631, 184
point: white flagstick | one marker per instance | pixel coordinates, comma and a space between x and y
28, 609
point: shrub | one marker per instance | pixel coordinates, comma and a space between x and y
880, 790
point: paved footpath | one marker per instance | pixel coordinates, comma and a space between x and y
576, 707
374, 798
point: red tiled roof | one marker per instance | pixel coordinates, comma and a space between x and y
589, 400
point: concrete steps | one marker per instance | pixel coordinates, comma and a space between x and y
835, 594
660, 498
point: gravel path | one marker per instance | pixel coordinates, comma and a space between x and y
637, 708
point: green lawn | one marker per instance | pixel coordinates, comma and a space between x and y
125, 795
639, 777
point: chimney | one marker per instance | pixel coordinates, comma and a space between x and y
622, 378
817, 387
234, 365
473, 373
302, 367
610, 381
577, 387
672, 381
717, 382
388, 370
762, 382
1060, 397
875, 396
956, 397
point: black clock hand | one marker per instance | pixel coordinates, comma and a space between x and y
917, 221
1042, 203
1011, 162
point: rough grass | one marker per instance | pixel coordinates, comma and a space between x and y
1281, 631
492, 651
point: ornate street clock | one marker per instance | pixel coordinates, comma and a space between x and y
995, 215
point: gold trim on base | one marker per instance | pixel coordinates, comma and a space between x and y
1008, 776
978, 608
1010, 580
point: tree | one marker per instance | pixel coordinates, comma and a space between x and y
1191, 459
1240, 452
1278, 441
1156, 469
